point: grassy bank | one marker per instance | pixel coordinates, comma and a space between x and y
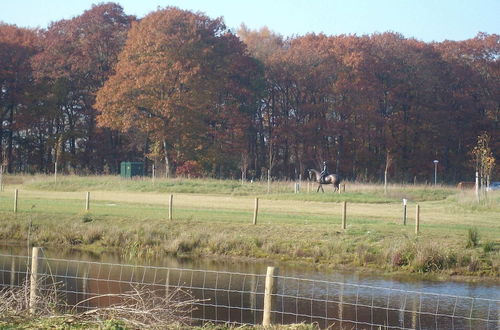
72, 322
458, 236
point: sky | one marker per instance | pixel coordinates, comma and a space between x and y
426, 20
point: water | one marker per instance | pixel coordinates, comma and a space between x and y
233, 291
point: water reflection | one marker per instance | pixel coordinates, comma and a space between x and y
233, 292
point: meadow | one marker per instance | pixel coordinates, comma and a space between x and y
213, 218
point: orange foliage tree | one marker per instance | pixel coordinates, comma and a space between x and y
185, 80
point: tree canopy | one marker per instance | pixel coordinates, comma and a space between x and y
179, 88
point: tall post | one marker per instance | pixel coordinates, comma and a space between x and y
170, 206
404, 211
341, 303
167, 285
13, 272
153, 174
435, 161
34, 280
344, 214
16, 195
85, 283
270, 290
87, 201
255, 210
417, 219
268, 181
253, 296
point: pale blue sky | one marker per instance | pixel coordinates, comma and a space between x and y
427, 20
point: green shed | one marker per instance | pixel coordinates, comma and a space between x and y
130, 169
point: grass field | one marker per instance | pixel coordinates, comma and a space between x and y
214, 218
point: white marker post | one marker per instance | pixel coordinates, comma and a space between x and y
404, 211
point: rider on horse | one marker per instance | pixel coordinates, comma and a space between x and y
324, 173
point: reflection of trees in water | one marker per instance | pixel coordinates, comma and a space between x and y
237, 297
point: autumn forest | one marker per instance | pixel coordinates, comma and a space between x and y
180, 90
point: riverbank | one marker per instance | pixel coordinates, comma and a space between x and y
458, 238
74, 322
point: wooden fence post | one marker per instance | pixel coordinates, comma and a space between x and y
16, 195
344, 214
170, 206
13, 273
270, 290
255, 210
167, 285
417, 219
404, 211
34, 280
87, 201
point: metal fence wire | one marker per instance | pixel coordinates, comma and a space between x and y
237, 298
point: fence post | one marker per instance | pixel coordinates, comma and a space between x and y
344, 214
34, 280
85, 283
167, 285
417, 219
13, 272
170, 206
16, 195
256, 210
341, 304
404, 211
270, 290
87, 201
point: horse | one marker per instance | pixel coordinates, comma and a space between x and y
332, 179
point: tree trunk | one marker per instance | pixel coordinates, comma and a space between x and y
167, 163
10, 140
388, 161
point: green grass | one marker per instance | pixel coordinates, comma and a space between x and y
355, 192
131, 216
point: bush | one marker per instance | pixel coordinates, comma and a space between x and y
488, 246
190, 169
472, 238
87, 217
429, 258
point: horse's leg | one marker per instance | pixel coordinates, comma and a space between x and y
322, 190
319, 186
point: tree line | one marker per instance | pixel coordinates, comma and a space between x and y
180, 90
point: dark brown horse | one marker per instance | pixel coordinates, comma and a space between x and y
332, 179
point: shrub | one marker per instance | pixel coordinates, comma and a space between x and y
488, 246
87, 217
190, 169
472, 237
429, 258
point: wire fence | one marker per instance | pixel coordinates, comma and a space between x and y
237, 298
